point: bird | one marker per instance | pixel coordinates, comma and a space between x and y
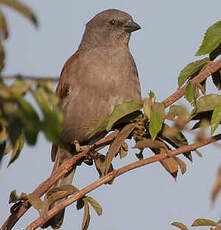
98, 76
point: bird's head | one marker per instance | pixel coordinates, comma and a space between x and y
109, 28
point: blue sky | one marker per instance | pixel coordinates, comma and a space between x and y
146, 198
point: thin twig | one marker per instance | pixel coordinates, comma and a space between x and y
110, 176
25, 77
201, 77
62, 170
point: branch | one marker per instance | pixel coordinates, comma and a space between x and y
23, 77
110, 176
199, 78
62, 170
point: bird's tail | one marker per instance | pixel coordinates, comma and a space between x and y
61, 155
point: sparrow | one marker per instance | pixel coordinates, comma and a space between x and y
98, 76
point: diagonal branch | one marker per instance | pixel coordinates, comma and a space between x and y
110, 176
62, 170
199, 78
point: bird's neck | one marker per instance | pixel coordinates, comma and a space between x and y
92, 40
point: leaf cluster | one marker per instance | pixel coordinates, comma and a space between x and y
20, 120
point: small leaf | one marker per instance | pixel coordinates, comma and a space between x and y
121, 111
211, 40
215, 53
156, 122
191, 69
21, 8
216, 117
216, 77
30, 118
123, 150
86, 219
147, 107
2, 149
99, 127
175, 137
60, 192
35, 201
3, 134
13, 197
181, 164
171, 165
115, 146
178, 111
95, 205
80, 204
17, 149
148, 143
180, 225
52, 116
205, 104
203, 222
190, 92
199, 154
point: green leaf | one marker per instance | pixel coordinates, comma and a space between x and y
53, 117
17, 149
99, 127
121, 111
206, 103
30, 119
3, 25
147, 107
95, 205
190, 92
191, 69
86, 219
217, 79
204, 222
216, 118
175, 138
180, 225
60, 192
35, 201
22, 9
178, 111
215, 53
212, 39
156, 122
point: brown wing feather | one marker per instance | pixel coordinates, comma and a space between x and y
63, 89
63, 86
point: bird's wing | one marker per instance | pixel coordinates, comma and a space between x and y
63, 89
63, 84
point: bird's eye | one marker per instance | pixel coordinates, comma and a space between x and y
113, 22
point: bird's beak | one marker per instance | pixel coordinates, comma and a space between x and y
131, 27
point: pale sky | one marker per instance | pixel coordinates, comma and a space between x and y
148, 197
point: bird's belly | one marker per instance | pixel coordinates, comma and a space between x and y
92, 103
